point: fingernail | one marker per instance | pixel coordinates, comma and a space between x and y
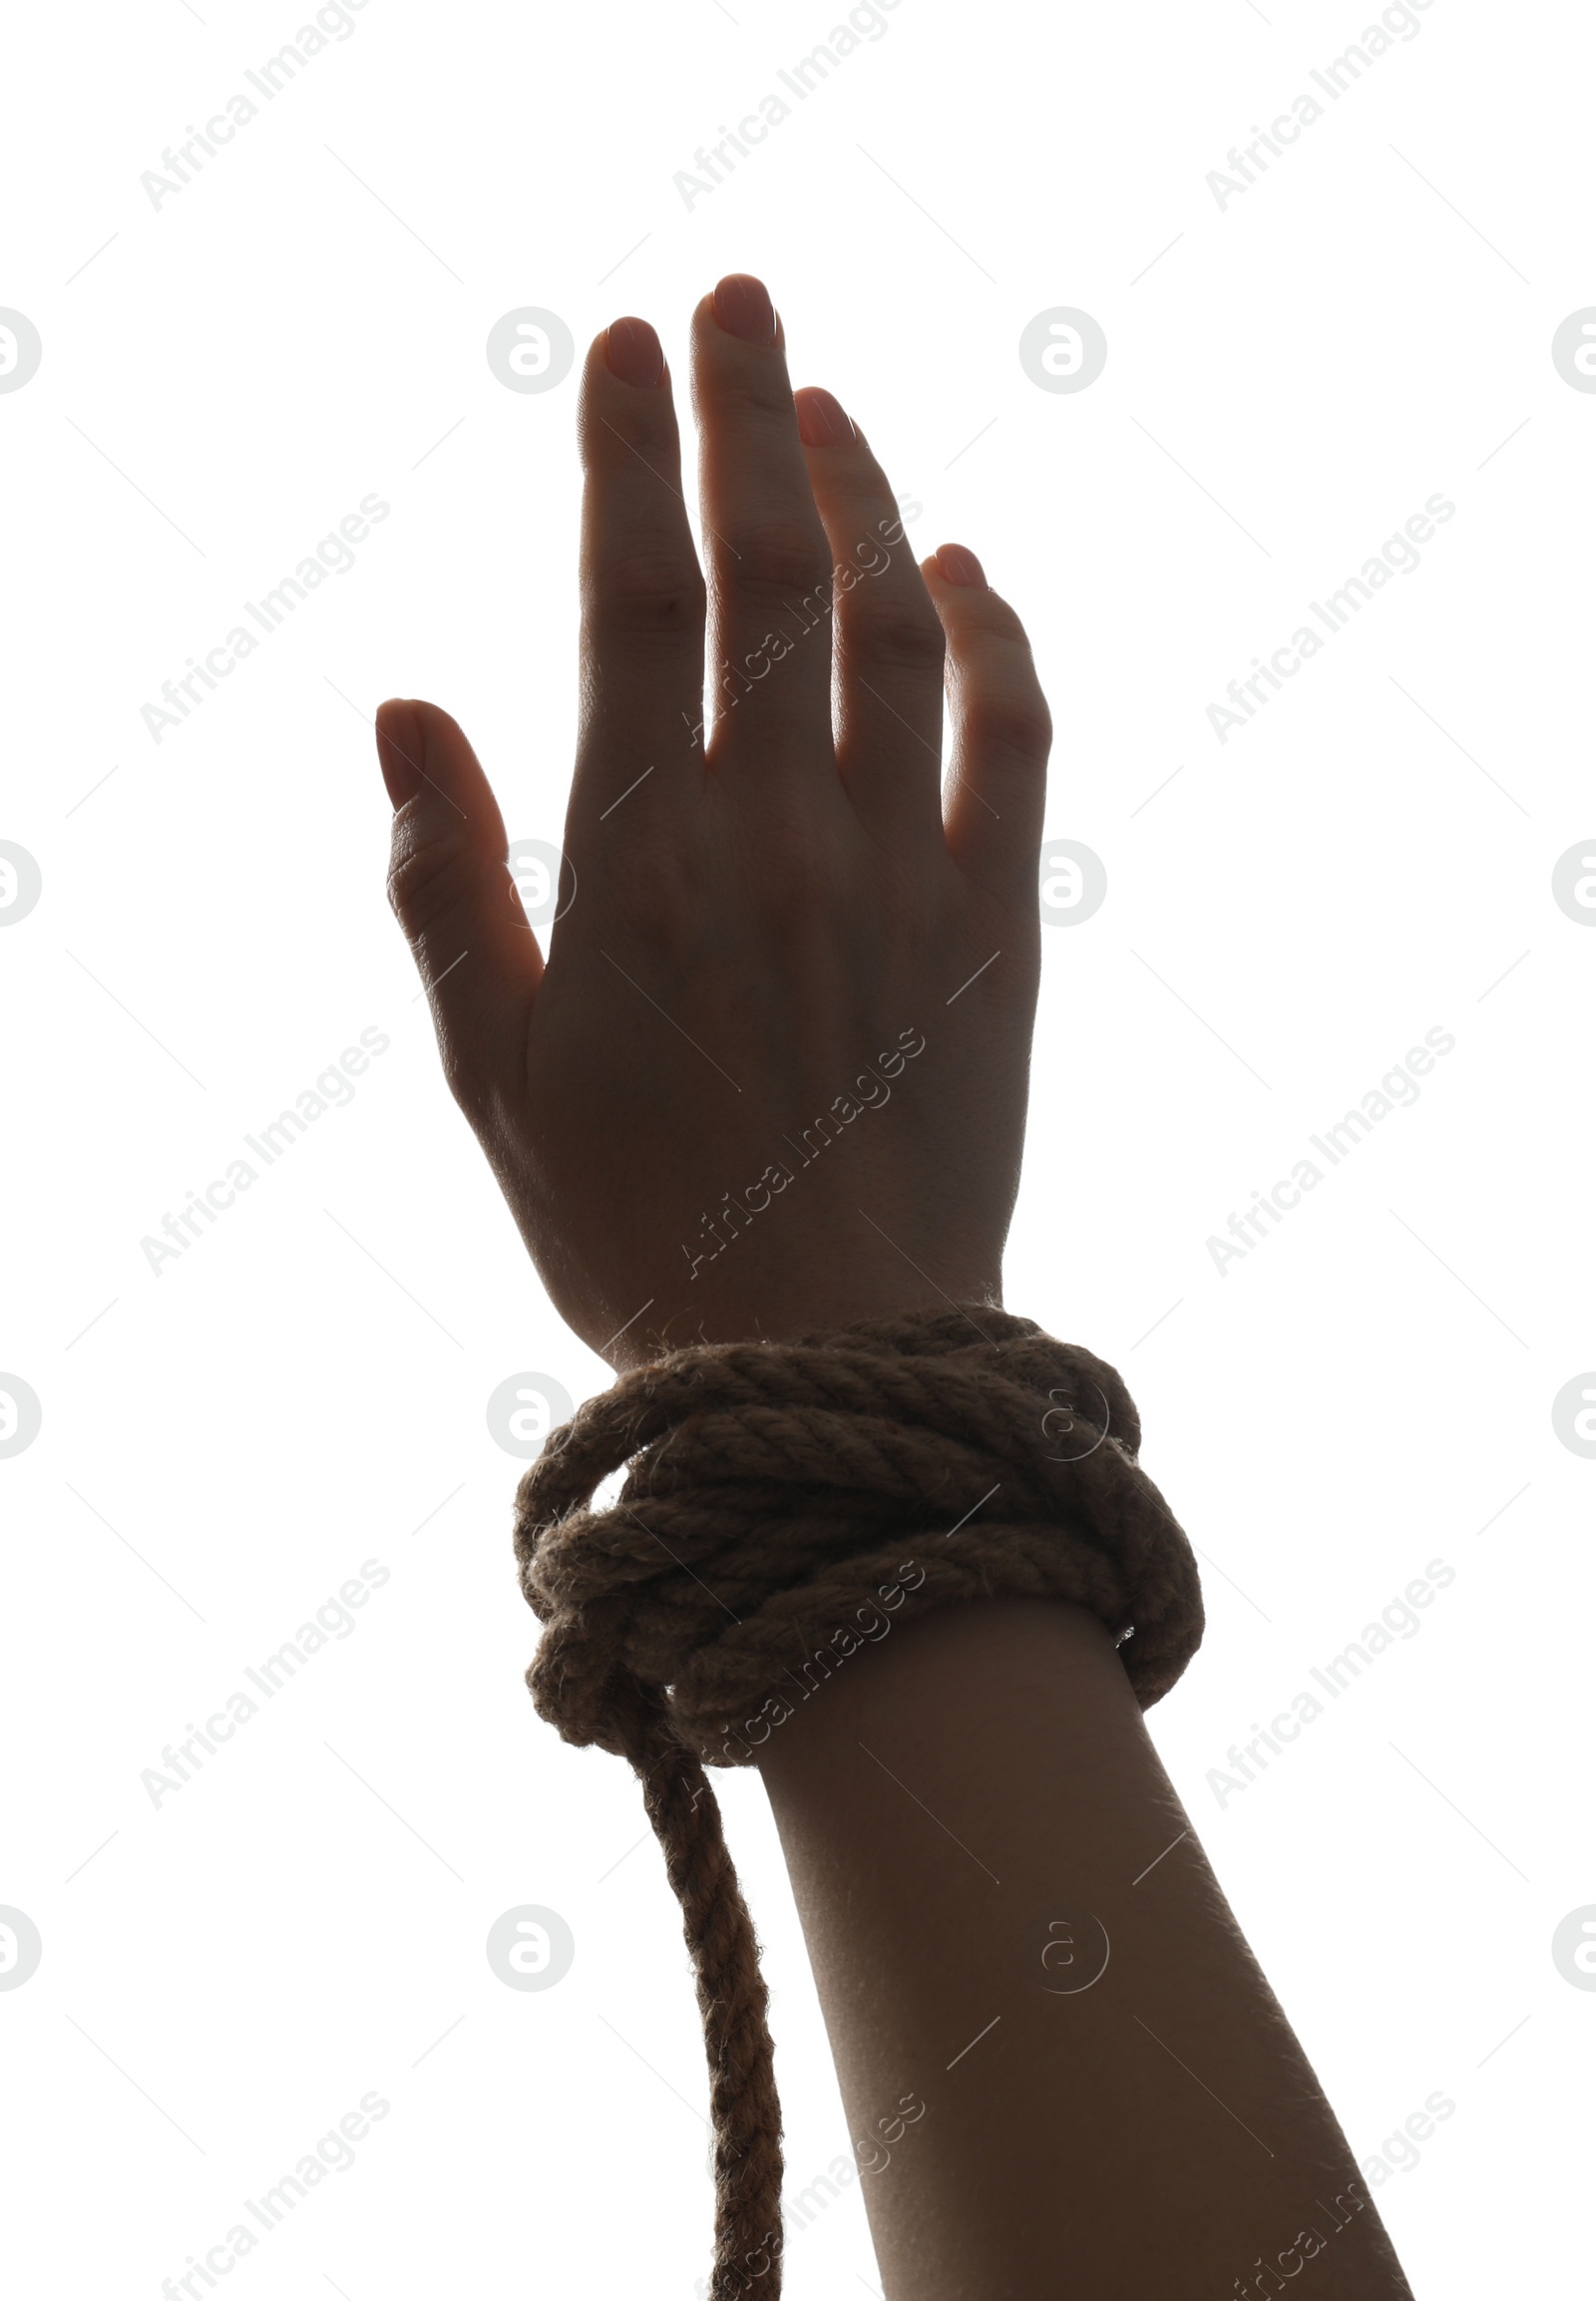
399, 750
742, 307
959, 566
822, 421
634, 353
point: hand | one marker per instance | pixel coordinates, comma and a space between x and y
772, 1076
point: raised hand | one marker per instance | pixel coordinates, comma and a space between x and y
772, 1073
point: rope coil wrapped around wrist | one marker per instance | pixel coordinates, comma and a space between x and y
776, 1485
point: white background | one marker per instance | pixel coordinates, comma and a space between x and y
222, 1444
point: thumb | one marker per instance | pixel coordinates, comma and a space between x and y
450, 887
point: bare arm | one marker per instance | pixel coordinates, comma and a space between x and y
963, 1799
779, 929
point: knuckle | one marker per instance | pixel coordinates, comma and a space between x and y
779, 560
650, 588
896, 634
999, 619
425, 876
1009, 719
755, 399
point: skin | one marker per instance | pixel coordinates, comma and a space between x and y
792, 901
759, 917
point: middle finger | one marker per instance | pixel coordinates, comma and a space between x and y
770, 669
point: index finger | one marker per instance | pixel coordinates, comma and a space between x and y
642, 591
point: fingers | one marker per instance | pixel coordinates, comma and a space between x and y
642, 593
451, 889
770, 593
889, 637
1002, 726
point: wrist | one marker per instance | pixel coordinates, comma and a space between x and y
819, 1299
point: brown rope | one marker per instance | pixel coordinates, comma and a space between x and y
773, 1485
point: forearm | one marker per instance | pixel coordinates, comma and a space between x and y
981, 1772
